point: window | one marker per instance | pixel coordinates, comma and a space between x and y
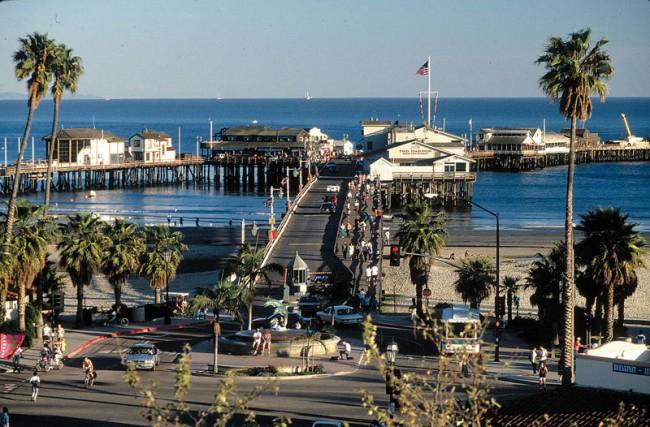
461, 167
450, 167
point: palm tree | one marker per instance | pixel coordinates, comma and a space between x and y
612, 249
621, 293
424, 234
250, 266
33, 60
82, 249
32, 236
475, 277
224, 295
511, 285
546, 278
280, 309
574, 71
123, 254
67, 69
163, 256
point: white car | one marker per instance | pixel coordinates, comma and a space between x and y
143, 356
343, 315
327, 423
333, 188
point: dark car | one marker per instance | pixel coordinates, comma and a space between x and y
319, 284
265, 322
309, 304
327, 207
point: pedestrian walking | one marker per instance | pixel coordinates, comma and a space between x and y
375, 274
345, 250
532, 357
60, 337
351, 250
266, 345
368, 274
543, 371
4, 417
47, 333
386, 237
35, 381
257, 341
542, 355
16, 360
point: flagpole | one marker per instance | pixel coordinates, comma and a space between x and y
429, 92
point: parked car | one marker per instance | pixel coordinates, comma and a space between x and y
143, 356
343, 315
319, 283
309, 304
266, 322
328, 423
327, 207
333, 188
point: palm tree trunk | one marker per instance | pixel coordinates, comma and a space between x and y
39, 306
621, 312
157, 297
50, 155
598, 316
117, 286
79, 321
3, 299
567, 291
509, 301
11, 209
609, 314
250, 316
21, 306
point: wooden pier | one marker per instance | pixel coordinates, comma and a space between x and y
449, 188
489, 160
232, 173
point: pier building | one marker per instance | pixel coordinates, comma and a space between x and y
86, 147
150, 146
412, 162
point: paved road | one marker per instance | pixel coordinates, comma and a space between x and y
313, 234
64, 401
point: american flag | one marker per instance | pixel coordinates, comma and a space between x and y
423, 70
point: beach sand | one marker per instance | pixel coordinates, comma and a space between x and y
517, 252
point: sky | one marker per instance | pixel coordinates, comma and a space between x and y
331, 48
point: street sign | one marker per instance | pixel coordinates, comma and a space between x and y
426, 293
272, 220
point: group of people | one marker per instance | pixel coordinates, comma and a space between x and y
538, 358
367, 301
262, 341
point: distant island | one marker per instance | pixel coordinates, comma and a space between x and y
18, 96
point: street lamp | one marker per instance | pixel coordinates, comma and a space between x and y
391, 352
497, 301
168, 257
272, 216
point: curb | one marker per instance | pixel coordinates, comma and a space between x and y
282, 377
138, 331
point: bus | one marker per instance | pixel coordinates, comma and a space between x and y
461, 329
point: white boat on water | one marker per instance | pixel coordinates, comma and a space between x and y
307, 96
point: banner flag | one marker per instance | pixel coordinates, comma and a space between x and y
9, 343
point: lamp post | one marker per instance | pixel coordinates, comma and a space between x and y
272, 216
391, 358
168, 257
497, 302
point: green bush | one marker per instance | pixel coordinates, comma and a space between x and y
11, 326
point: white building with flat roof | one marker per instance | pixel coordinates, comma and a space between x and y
618, 365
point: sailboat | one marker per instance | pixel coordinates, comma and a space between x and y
307, 96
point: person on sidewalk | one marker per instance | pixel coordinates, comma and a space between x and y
375, 274
344, 349
16, 360
35, 381
60, 336
542, 355
345, 250
640, 337
369, 274
543, 371
47, 334
257, 341
266, 346
532, 356
4, 417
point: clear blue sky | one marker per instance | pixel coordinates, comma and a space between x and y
333, 48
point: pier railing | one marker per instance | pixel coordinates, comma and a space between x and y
41, 166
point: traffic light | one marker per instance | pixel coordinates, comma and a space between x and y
394, 255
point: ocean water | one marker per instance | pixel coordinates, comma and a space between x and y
527, 200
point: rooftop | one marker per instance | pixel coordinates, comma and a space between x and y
621, 350
152, 134
85, 133
260, 131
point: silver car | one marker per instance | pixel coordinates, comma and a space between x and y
142, 356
